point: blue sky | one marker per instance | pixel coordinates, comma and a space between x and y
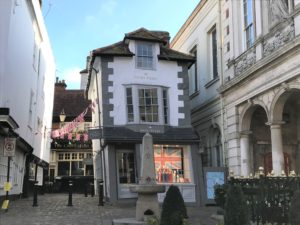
76, 27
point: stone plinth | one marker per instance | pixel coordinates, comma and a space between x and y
147, 199
147, 188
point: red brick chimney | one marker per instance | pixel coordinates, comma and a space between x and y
60, 85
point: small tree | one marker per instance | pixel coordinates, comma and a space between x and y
295, 209
173, 208
236, 209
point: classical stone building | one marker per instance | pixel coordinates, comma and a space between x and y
201, 37
261, 85
250, 107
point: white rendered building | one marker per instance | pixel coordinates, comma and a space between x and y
27, 76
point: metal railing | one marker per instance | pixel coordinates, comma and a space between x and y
268, 197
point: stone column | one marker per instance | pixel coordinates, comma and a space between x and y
245, 153
277, 147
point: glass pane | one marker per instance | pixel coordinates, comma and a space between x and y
130, 117
169, 165
76, 170
130, 109
63, 168
126, 167
128, 92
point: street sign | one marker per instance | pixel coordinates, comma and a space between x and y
95, 133
9, 147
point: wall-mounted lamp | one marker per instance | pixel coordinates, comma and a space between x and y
62, 116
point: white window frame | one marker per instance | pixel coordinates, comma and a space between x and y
249, 41
162, 120
213, 74
144, 56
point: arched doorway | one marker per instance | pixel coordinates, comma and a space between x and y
286, 108
216, 155
260, 139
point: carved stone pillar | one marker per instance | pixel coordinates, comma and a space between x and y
277, 147
245, 153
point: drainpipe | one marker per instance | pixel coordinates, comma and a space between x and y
102, 146
221, 82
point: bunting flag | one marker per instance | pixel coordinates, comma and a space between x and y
70, 136
75, 123
85, 137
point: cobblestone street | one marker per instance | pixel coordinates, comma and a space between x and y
52, 209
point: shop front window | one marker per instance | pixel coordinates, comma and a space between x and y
77, 168
63, 168
172, 164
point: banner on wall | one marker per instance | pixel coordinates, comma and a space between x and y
73, 124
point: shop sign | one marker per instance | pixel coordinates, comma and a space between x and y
95, 133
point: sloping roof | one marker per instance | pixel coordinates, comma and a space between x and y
172, 134
117, 49
146, 35
73, 102
170, 54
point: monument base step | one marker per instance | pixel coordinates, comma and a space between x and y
128, 221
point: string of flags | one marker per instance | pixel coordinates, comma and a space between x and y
66, 129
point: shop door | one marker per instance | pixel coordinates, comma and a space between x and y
269, 165
126, 173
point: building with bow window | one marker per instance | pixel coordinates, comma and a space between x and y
142, 86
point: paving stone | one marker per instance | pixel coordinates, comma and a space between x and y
52, 209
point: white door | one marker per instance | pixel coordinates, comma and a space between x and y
126, 173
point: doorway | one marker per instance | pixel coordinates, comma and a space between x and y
126, 173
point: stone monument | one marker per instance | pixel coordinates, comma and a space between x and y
147, 188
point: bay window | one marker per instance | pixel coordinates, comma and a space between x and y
147, 104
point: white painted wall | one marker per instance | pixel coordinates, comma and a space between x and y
125, 73
22, 24
19, 78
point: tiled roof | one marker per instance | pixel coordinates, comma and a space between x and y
170, 54
171, 135
73, 102
117, 49
146, 35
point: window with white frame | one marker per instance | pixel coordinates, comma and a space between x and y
214, 52
147, 104
248, 6
144, 55
193, 76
